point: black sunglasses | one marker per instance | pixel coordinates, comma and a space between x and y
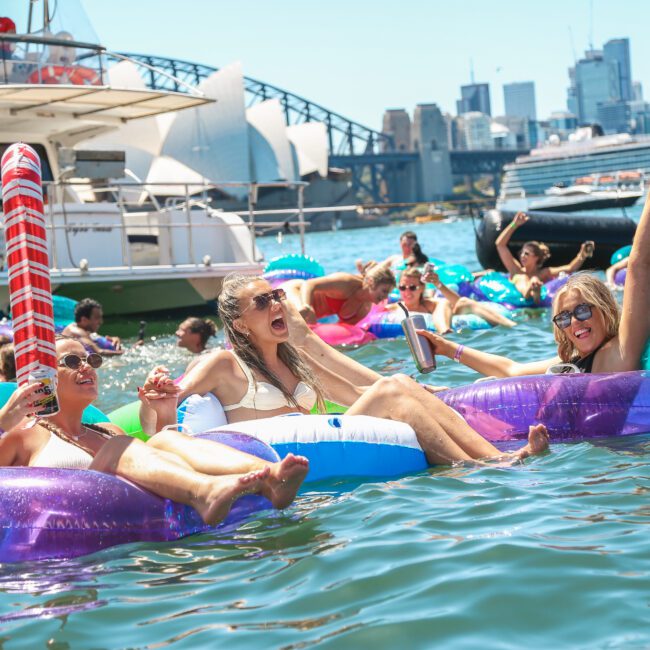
410, 287
263, 300
581, 312
74, 361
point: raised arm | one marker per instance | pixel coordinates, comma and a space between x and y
491, 365
585, 252
634, 329
512, 265
448, 293
321, 355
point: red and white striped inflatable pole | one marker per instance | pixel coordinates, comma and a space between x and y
28, 265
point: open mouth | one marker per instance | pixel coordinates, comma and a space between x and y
582, 333
278, 323
87, 380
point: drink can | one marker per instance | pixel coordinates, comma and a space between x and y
46, 394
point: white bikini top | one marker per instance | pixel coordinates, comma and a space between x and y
263, 396
61, 454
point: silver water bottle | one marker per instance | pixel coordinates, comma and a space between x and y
425, 360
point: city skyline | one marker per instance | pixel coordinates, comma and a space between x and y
364, 59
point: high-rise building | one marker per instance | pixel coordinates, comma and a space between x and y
614, 116
616, 53
429, 138
397, 125
519, 99
596, 82
474, 98
476, 129
637, 91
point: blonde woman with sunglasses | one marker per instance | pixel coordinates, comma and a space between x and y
200, 473
592, 334
278, 366
412, 294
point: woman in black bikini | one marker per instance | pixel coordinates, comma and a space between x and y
590, 330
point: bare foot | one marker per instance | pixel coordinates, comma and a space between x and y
537, 442
284, 480
222, 491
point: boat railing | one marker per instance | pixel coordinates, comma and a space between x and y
161, 213
59, 59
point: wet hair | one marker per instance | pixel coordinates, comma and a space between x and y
409, 234
230, 311
8, 362
417, 257
540, 250
375, 274
84, 309
596, 293
204, 327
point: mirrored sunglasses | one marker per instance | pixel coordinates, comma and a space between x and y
581, 312
74, 361
263, 300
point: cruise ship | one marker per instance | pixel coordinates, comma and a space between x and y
528, 179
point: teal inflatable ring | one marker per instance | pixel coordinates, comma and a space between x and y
297, 263
621, 254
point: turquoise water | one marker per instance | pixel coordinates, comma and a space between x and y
550, 554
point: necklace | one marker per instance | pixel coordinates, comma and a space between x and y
74, 439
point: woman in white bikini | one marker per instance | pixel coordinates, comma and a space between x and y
266, 375
203, 474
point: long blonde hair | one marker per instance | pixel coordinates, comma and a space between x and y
596, 293
230, 311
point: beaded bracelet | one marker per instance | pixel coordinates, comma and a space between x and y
459, 351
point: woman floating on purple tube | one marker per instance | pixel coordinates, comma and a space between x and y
592, 334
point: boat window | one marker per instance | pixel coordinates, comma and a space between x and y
46, 170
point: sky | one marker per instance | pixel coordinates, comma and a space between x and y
359, 57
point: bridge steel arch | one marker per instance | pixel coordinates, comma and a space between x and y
369, 155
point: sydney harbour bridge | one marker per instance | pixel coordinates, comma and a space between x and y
370, 156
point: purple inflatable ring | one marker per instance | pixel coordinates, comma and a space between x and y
573, 407
65, 513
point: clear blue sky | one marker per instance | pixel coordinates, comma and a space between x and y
360, 57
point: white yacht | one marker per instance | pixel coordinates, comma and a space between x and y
120, 243
528, 182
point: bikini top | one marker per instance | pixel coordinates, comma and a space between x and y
263, 396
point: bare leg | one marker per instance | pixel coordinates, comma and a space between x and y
469, 306
441, 316
213, 458
210, 496
443, 435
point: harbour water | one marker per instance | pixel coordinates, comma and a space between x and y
553, 553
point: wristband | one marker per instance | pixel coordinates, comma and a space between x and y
513, 225
459, 351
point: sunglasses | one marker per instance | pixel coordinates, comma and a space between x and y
410, 287
263, 300
581, 312
74, 361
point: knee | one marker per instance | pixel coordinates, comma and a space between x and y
463, 303
166, 439
111, 452
397, 385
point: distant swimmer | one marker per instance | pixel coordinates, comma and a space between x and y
412, 293
592, 333
88, 318
348, 296
194, 333
528, 273
411, 253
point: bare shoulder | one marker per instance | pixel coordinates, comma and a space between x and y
429, 305
112, 428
